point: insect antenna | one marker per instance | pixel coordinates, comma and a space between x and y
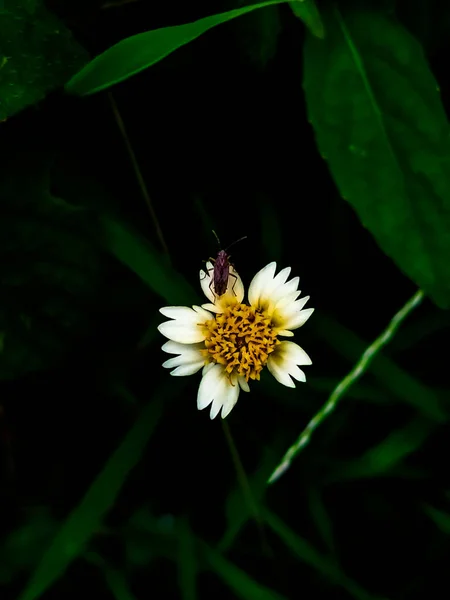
244, 237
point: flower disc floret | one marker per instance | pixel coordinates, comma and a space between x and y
241, 339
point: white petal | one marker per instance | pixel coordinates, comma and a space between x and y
285, 298
186, 326
202, 313
206, 368
175, 348
215, 407
298, 319
259, 281
285, 333
280, 279
176, 361
189, 369
280, 374
184, 334
295, 354
282, 363
235, 286
176, 312
216, 388
297, 373
291, 308
212, 308
206, 281
209, 385
231, 398
189, 361
243, 384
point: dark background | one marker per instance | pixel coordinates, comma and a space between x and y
221, 135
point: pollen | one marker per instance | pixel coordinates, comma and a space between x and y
241, 339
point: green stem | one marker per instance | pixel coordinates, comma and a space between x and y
358, 370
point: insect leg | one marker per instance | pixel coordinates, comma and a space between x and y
235, 280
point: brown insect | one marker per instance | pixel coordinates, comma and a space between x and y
221, 269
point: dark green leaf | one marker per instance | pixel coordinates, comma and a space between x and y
49, 272
380, 124
38, 54
136, 53
86, 518
307, 12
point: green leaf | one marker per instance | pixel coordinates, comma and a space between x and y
84, 521
306, 11
138, 52
380, 124
50, 269
38, 53
137, 253
241, 584
309, 555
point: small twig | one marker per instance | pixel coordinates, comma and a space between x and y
138, 173
343, 386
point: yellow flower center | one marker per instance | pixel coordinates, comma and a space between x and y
241, 338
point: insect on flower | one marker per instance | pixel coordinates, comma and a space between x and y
221, 269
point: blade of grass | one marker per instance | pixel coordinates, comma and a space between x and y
115, 580
309, 555
358, 370
187, 561
237, 510
85, 519
137, 253
389, 375
440, 518
242, 585
321, 518
389, 453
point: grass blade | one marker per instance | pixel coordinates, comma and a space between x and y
81, 524
309, 555
242, 585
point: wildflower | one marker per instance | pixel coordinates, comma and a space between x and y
232, 341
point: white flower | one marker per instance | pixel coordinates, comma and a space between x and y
232, 342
